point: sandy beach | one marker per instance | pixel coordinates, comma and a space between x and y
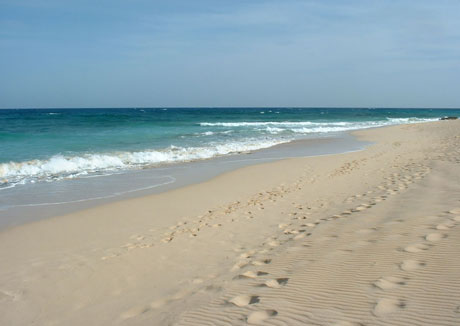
364, 238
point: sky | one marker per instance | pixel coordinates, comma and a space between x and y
216, 53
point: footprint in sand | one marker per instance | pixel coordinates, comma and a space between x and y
247, 254
301, 236
445, 225
273, 243
435, 237
244, 300
275, 283
261, 262
411, 265
359, 208
386, 306
389, 282
250, 274
418, 247
239, 265
167, 239
259, 317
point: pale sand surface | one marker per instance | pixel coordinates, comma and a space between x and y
365, 238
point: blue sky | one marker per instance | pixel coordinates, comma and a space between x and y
57, 53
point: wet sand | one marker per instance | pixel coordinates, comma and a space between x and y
364, 238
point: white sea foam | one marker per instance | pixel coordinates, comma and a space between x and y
355, 125
59, 166
210, 133
306, 127
207, 133
254, 124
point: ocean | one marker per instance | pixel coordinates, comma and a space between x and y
48, 145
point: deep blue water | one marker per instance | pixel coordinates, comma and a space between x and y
49, 144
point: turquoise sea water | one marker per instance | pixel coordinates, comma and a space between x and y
51, 144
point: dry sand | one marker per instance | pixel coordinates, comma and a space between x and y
365, 238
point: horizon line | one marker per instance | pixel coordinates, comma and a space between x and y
230, 107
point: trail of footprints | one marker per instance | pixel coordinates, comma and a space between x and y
228, 214
388, 305
383, 306
211, 219
300, 229
251, 262
252, 265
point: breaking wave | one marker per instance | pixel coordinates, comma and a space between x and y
349, 125
60, 166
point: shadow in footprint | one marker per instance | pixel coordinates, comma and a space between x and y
244, 300
249, 274
276, 283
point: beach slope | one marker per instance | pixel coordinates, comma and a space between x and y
364, 238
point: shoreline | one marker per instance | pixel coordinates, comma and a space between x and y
52, 202
294, 241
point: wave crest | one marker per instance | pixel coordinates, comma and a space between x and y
59, 166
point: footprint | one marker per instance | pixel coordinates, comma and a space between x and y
411, 265
300, 236
434, 237
445, 225
238, 265
276, 283
167, 239
386, 306
416, 247
247, 254
389, 282
259, 317
274, 243
261, 262
244, 300
250, 274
